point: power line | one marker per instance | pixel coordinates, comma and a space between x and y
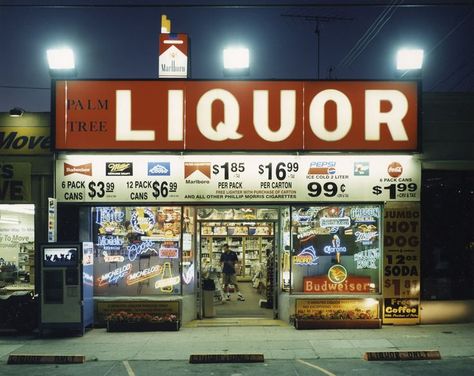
441, 41
24, 87
369, 35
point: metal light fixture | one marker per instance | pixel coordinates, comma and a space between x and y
16, 112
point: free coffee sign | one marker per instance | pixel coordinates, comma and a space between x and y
236, 115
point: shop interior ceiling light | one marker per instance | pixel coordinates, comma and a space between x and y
18, 208
408, 59
9, 220
61, 58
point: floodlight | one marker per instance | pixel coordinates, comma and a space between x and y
236, 58
61, 58
409, 59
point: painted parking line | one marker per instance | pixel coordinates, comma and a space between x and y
128, 368
325, 371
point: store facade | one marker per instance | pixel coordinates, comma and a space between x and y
26, 183
26, 178
315, 185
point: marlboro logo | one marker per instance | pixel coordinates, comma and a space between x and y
191, 167
85, 169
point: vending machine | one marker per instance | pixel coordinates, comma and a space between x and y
66, 287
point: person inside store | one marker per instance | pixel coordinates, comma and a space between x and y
229, 262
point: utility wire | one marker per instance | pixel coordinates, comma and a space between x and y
369, 35
461, 80
441, 41
24, 87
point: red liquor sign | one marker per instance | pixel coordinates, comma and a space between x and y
236, 115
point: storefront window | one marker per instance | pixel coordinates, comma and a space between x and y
189, 245
336, 249
447, 253
138, 251
17, 236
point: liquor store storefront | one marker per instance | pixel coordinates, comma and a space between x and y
159, 175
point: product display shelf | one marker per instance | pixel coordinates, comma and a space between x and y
250, 243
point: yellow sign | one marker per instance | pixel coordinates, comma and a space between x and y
401, 281
25, 140
15, 182
337, 309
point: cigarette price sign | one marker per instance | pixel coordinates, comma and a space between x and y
237, 178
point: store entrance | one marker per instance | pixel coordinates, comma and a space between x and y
238, 282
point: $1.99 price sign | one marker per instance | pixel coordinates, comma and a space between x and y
237, 178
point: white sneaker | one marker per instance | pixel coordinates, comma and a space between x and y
240, 297
227, 297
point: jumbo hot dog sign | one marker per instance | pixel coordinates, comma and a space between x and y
236, 115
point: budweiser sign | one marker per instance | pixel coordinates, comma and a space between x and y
236, 115
85, 169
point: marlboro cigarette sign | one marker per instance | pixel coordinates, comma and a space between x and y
173, 52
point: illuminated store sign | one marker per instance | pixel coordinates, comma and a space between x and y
367, 259
107, 215
15, 182
112, 258
306, 257
365, 238
168, 252
335, 222
25, 140
166, 282
351, 285
113, 277
336, 246
144, 274
337, 274
138, 249
188, 275
110, 242
309, 115
142, 220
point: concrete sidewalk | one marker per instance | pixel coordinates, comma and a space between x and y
278, 341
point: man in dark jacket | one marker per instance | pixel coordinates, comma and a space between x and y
229, 260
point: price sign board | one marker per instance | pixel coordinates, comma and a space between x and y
237, 178
401, 282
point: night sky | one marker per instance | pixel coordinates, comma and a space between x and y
119, 39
